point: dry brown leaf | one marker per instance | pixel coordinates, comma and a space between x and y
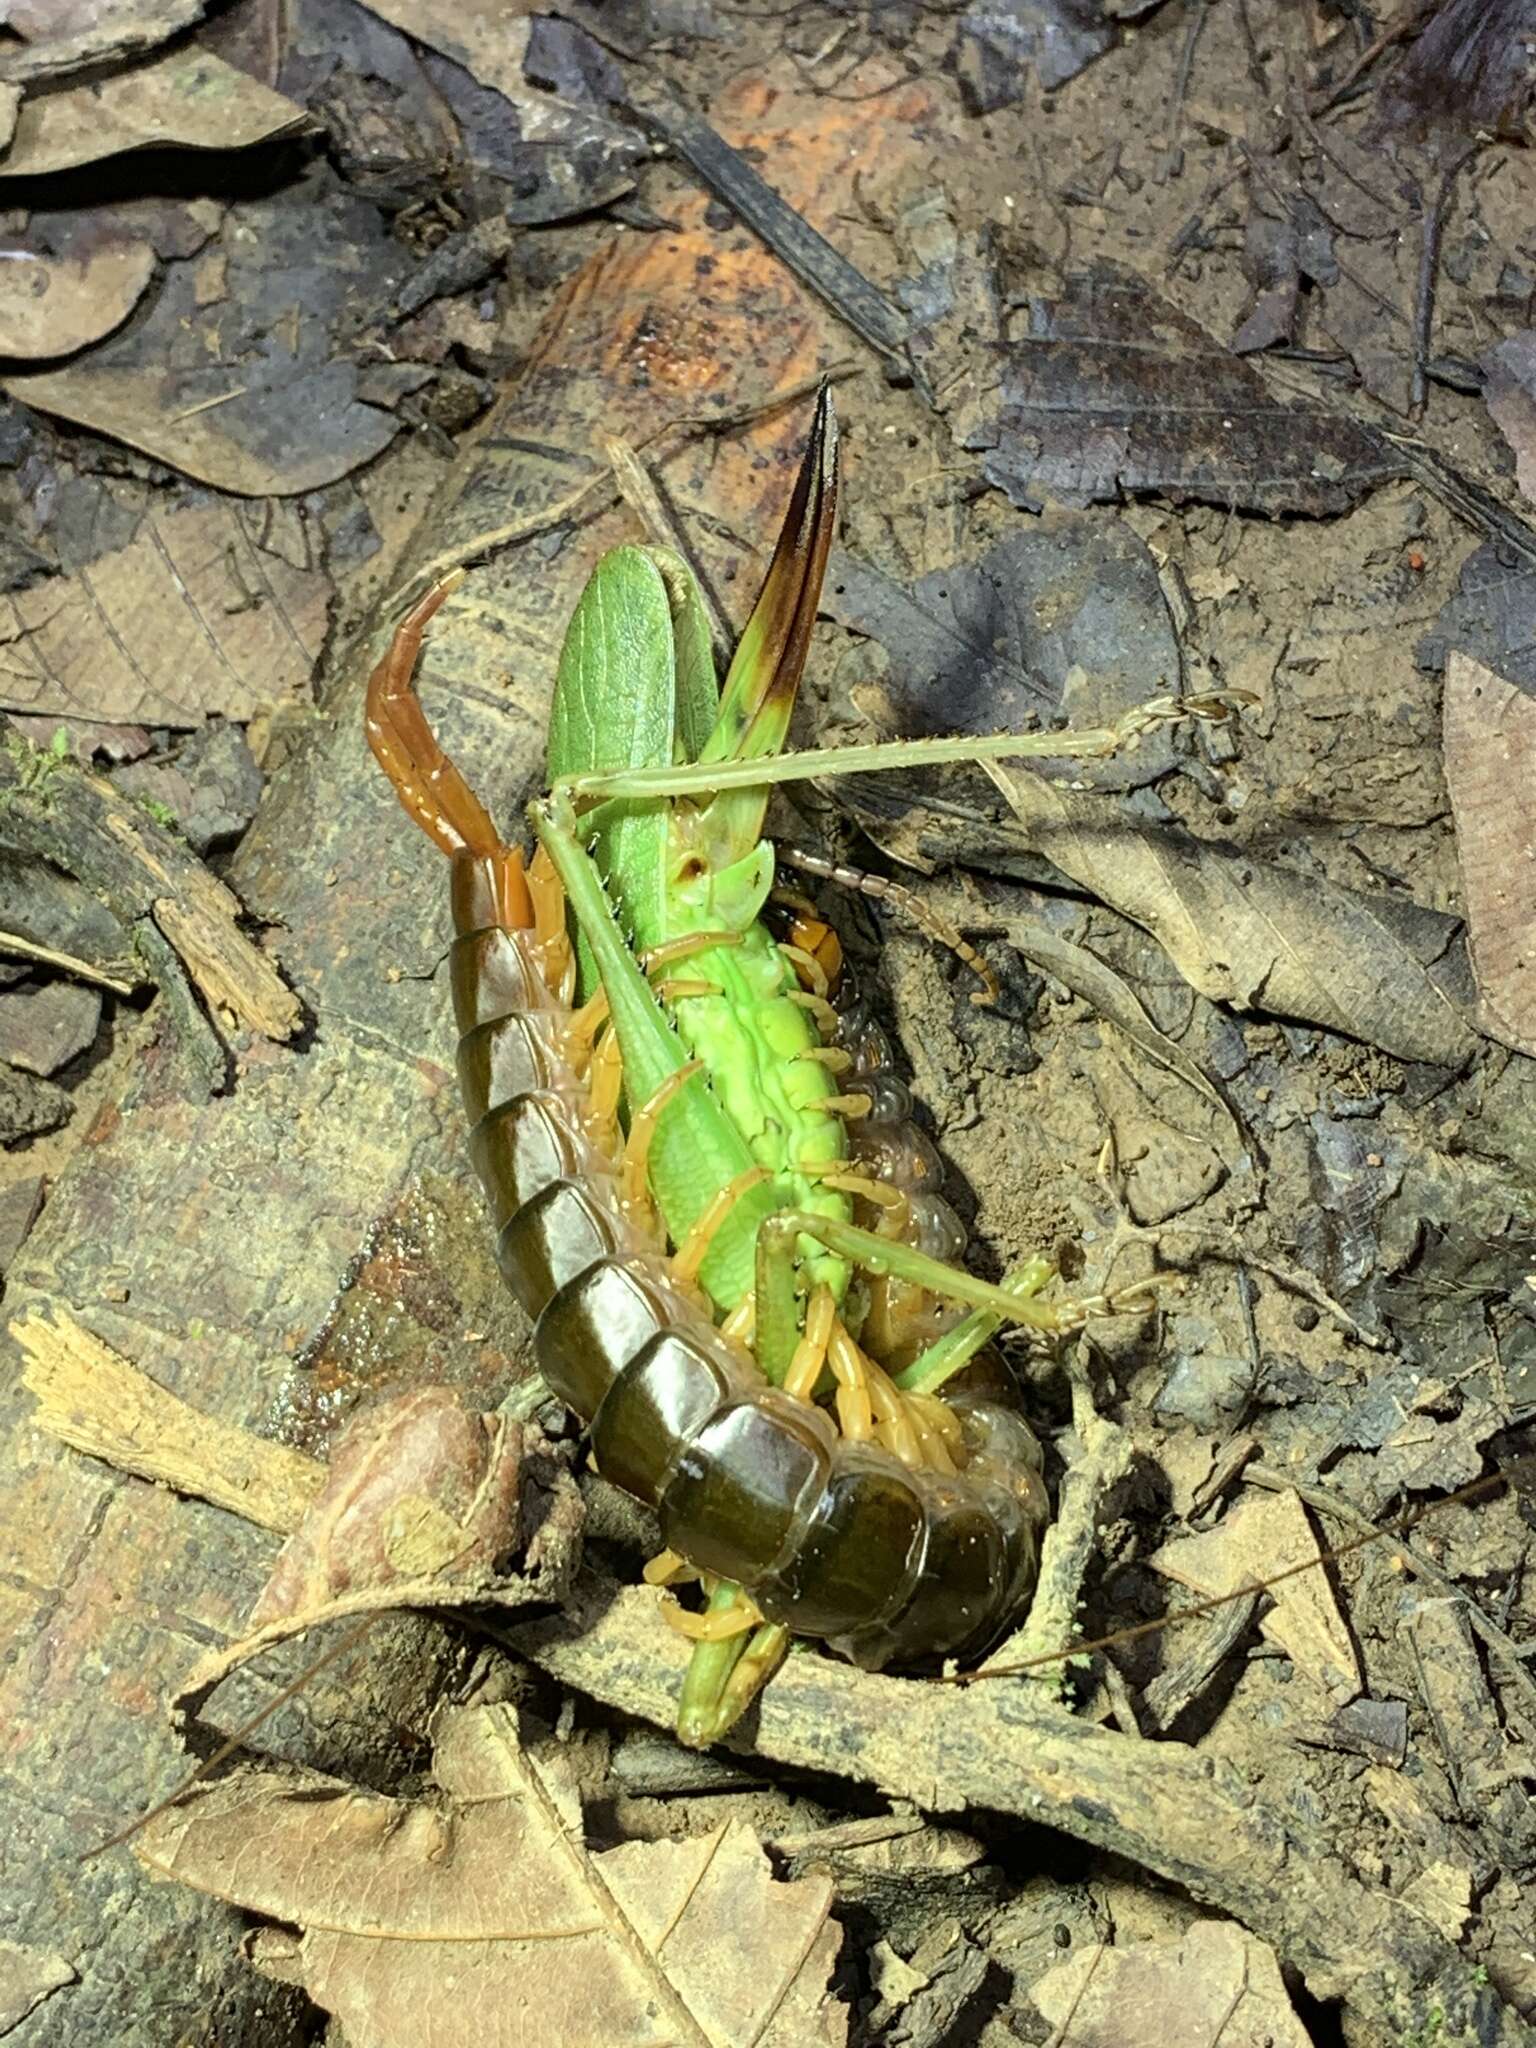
53, 305
1218, 1987
488, 37
65, 35
1244, 932
1255, 1540
418, 1487
212, 440
164, 630
187, 98
1087, 976
1490, 770
481, 1916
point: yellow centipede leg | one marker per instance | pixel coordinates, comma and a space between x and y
694, 1249
716, 1624
893, 1425
551, 940
810, 1353
855, 1416
642, 1129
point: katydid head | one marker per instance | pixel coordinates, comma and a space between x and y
728, 898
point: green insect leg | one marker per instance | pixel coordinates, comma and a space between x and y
724, 1677
949, 1354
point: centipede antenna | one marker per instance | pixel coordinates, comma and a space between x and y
232, 1744
922, 914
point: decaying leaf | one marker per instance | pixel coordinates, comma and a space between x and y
27, 1977
1491, 614
558, 151
426, 1504
487, 37
1244, 932
1252, 1542
999, 43
1110, 390
43, 1028
62, 36
1468, 69
191, 619
1067, 616
29, 1105
418, 1487
259, 403
479, 1914
53, 305
1115, 1000
1218, 1987
187, 98
1490, 770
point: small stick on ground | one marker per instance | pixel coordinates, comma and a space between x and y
178, 916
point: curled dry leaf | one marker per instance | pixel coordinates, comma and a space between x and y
418, 1487
190, 619
1218, 1984
1254, 1541
260, 406
1490, 769
1247, 933
53, 305
188, 99
426, 1504
479, 1914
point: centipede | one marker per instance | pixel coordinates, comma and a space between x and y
706, 1185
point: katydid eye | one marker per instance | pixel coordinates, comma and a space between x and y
692, 868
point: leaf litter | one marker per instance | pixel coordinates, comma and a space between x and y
466, 1911
1344, 1108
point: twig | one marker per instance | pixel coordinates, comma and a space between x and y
66, 963
94, 1400
176, 912
1180, 94
1398, 33
824, 270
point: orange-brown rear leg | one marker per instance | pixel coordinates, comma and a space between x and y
429, 784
